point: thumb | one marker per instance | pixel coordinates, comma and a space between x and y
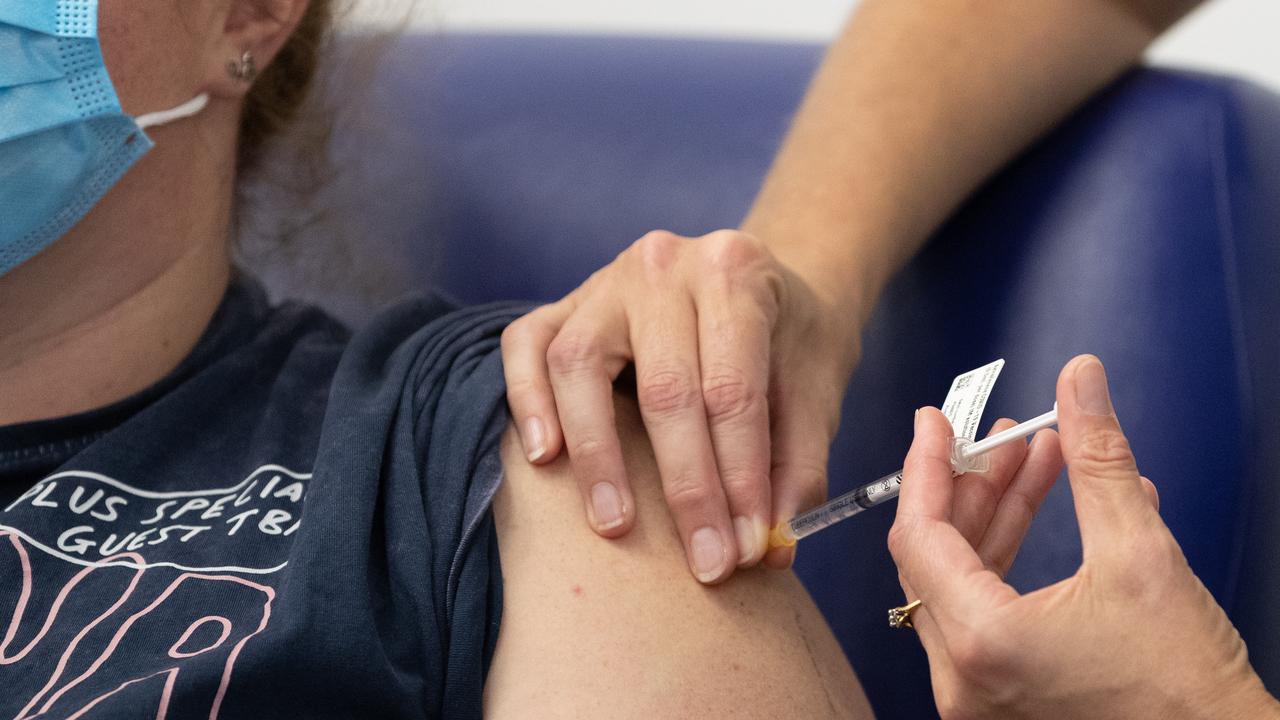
1111, 504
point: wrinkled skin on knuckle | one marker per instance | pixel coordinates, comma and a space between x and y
572, 352
525, 386
586, 448
728, 395
686, 493
740, 482
664, 391
1105, 453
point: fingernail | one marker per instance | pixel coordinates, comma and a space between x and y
748, 539
606, 504
708, 554
535, 439
916, 422
1091, 388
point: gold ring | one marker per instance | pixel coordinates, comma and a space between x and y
900, 617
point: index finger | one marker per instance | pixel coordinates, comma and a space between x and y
930, 552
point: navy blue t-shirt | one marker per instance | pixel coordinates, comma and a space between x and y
293, 523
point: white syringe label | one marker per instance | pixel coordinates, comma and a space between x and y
968, 397
885, 489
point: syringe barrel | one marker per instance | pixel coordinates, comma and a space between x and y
884, 489
846, 505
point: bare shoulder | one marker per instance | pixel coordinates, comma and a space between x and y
618, 628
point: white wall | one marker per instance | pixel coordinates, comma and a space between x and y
1236, 36
1233, 36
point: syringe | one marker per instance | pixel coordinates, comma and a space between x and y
966, 456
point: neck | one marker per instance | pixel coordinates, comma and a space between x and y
118, 302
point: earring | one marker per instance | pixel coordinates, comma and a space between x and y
244, 69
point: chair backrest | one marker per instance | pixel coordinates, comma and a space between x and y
1143, 230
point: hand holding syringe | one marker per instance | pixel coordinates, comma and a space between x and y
966, 456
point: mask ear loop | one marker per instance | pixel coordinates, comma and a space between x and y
185, 110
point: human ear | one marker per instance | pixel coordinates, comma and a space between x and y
252, 32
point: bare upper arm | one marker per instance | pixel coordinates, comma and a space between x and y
618, 628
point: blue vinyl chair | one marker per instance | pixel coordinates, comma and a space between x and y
1145, 229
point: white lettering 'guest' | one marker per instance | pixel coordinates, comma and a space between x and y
90, 519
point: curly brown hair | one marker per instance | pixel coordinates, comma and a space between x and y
281, 89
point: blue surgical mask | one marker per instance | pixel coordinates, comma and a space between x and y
64, 140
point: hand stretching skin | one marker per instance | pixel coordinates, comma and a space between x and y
740, 368
1133, 634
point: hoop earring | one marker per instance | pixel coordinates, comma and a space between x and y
244, 69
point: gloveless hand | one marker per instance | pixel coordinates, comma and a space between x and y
740, 368
1133, 634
